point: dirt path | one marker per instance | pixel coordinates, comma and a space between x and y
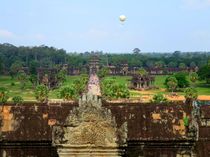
147, 96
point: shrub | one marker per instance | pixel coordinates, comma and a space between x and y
17, 99
191, 93
182, 79
171, 83
12, 84
41, 93
68, 93
22, 77
4, 95
112, 89
62, 76
159, 98
80, 85
33, 79
103, 72
186, 121
193, 77
204, 73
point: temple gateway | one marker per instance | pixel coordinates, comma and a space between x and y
142, 82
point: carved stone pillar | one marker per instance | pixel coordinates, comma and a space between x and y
89, 131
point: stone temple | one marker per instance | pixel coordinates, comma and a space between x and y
92, 127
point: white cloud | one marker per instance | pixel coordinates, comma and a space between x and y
6, 34
197, 4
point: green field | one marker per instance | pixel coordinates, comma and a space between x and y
28, 92
120, 79
202, 88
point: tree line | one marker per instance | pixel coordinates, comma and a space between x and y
50, 56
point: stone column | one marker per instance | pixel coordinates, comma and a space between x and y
140, 86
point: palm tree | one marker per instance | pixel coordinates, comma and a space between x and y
193, 77
172, 84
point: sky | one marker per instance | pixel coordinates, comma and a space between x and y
90, 25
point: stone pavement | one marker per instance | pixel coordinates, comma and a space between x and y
94, 85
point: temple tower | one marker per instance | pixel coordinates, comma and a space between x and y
94, 64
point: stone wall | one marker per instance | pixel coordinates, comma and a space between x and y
153, 130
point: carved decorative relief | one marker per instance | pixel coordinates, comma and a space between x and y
90, 124
194, 127
1, 125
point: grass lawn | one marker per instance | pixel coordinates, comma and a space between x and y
202, 88
28, 92
120, 79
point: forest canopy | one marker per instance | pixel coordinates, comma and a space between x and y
45, 56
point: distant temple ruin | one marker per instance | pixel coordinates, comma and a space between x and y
48, 77
94, 64
142, 82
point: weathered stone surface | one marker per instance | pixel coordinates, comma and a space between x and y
88, 152
87, 126
146, 136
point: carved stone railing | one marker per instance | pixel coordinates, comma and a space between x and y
1, 126
89, 129
195, 117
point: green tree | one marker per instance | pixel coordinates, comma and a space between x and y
1, 65
136, 51
172, 64
112, 89
159, 98
80, 84
106, 85
204, 73
33, 65
182, 65
192, 64
15, 67
149, 63
33, 79
68, 93
4, 95
171, 83
41, 93
193, 77
191, 93
182, 79
159, 64
17, 100
142, 72
22, 77
84, 78
62, 76
103, 72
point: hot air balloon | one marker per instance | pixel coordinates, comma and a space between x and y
122, 18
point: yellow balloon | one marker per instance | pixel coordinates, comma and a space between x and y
122, 18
